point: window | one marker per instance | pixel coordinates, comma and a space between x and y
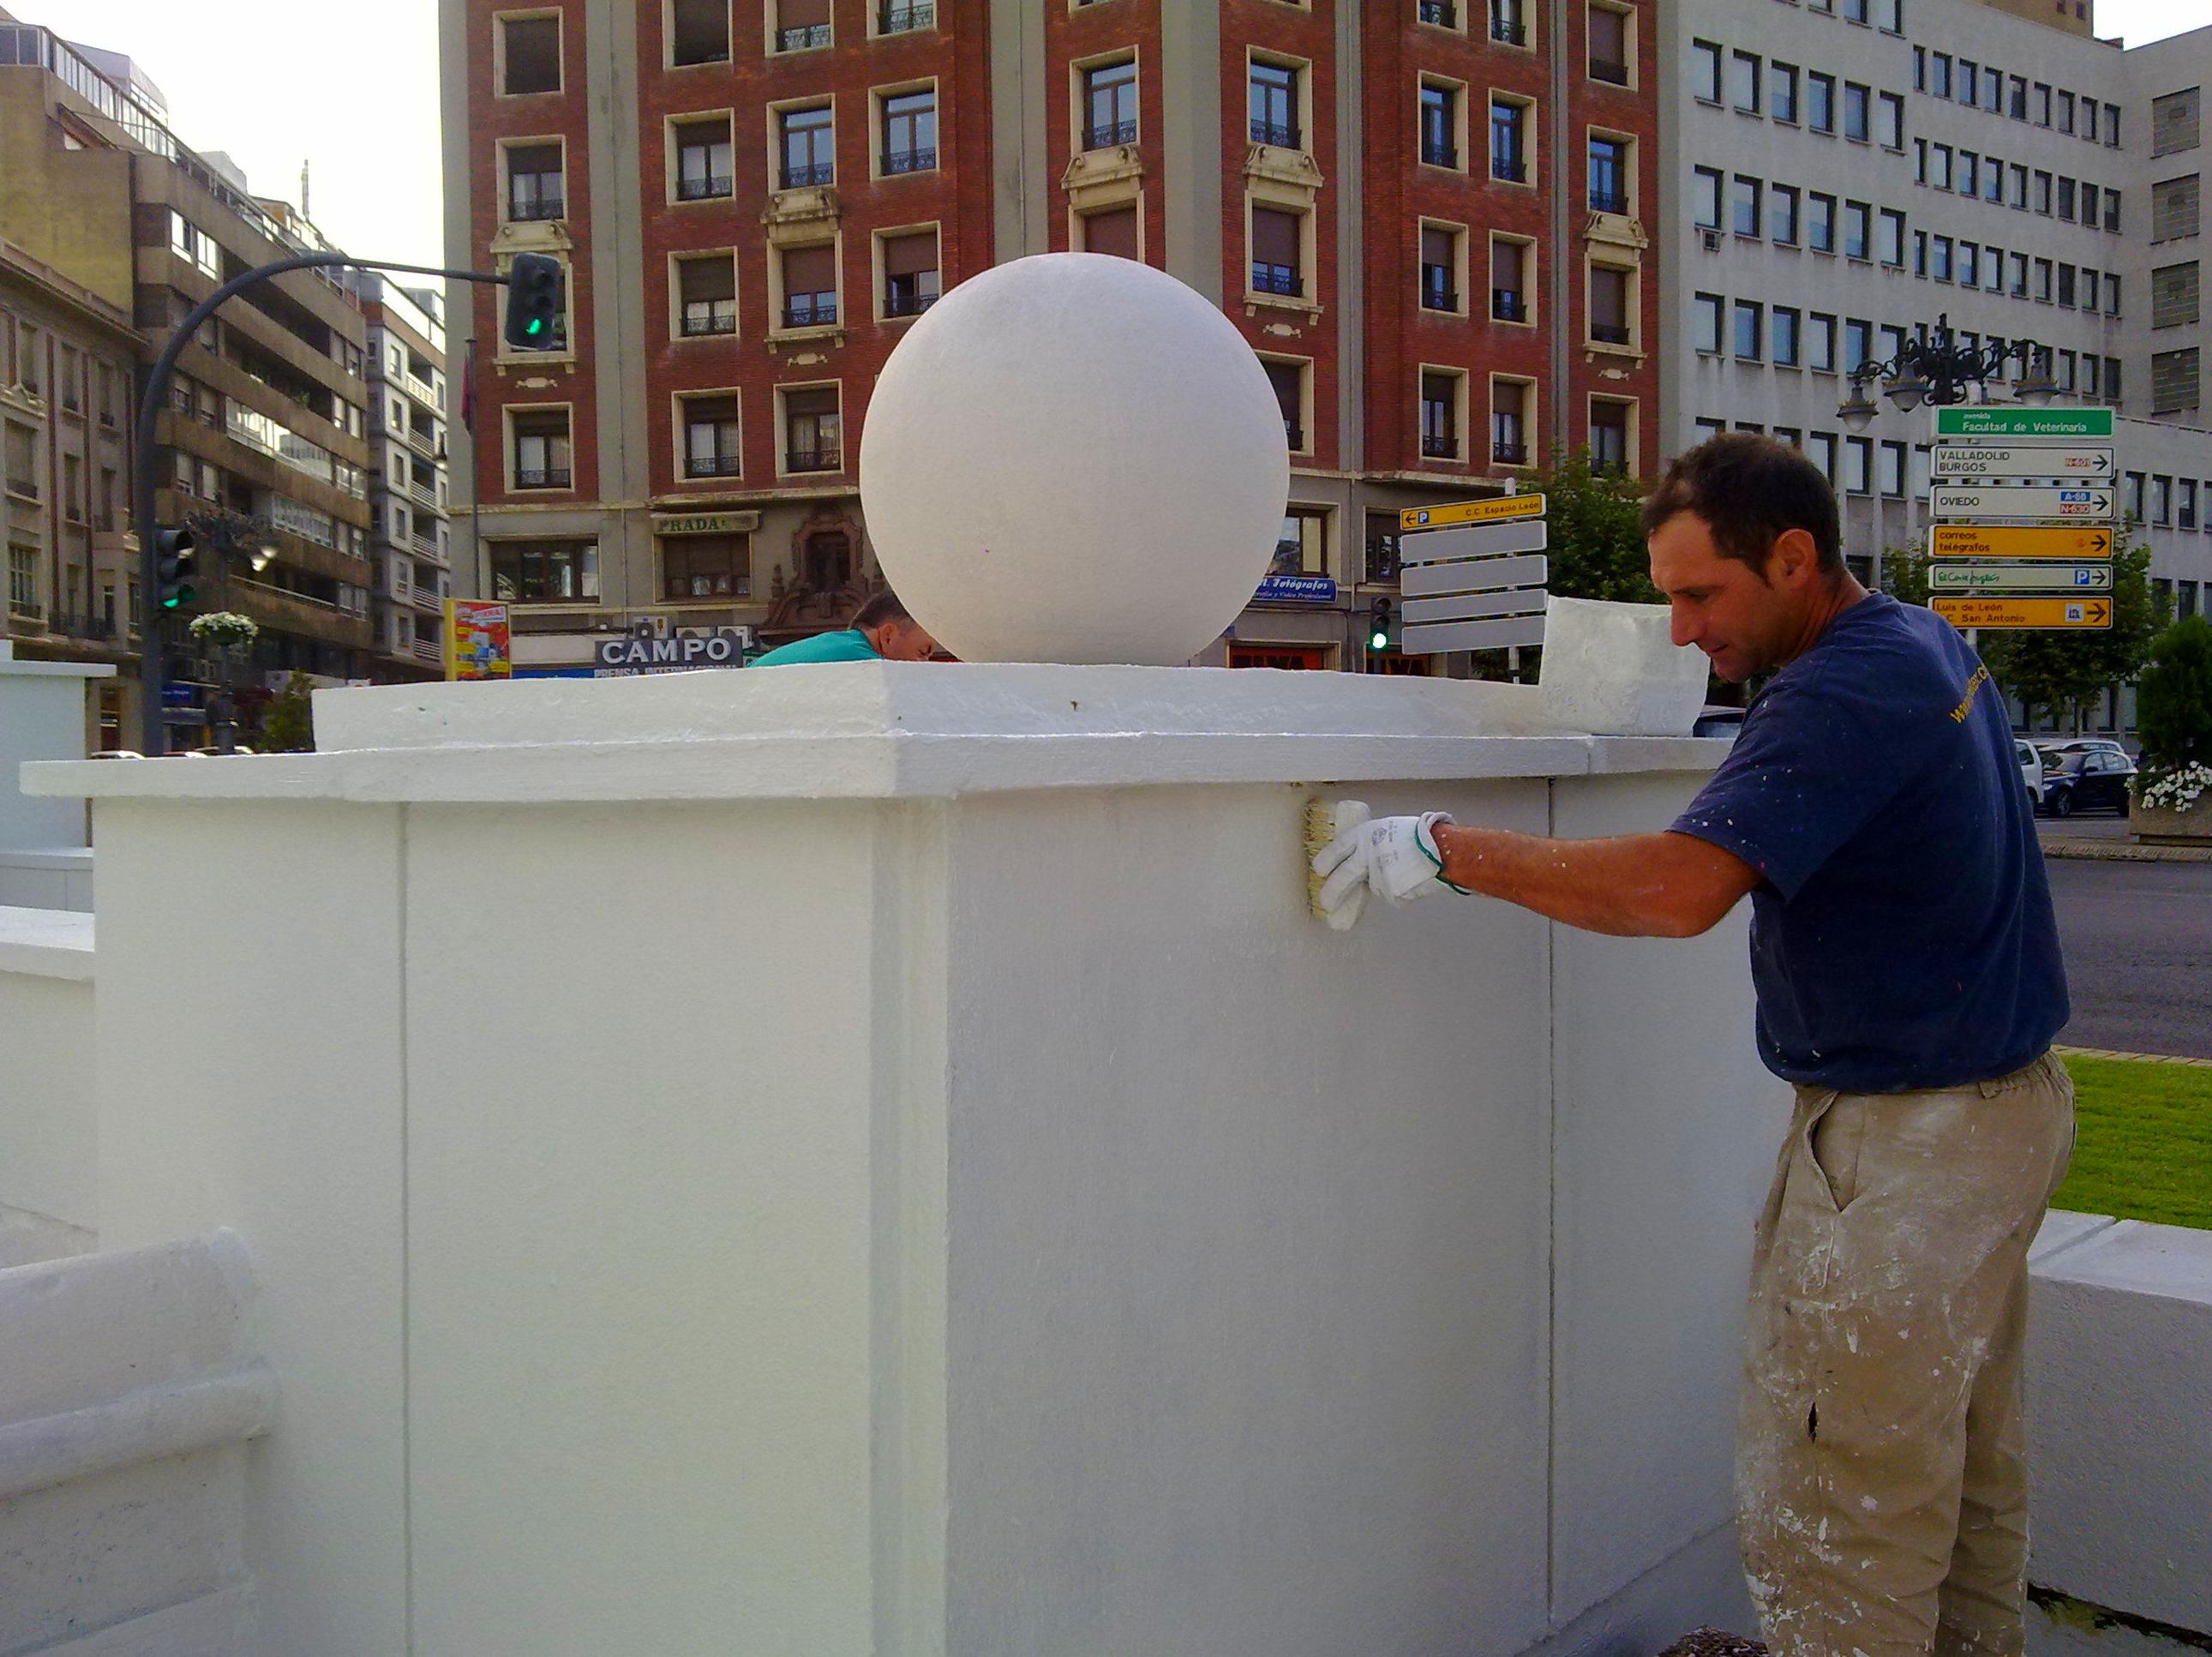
2173, 295
2185, 507
1993, 181
1939, 260
2042, 105
1439, 416
2089, 299
2019, 276
1939, 165
810, 286
2089, 205
1114, 231
1609, 435
1509, 152
1706, 71
1820, 101
2111, 127
1272, 97
2066, 285
1968, 181
802, 25
2019, 186
1509, 278
1993, 92
702, 159
706, 295
529, 55
1611, 305
698, 32
2043, 193
1781, 92
1920, 68
1970, 82
1891, 248
1820, 343
2066, 113
1858, 342
910, 272
2043, 281
2112, 211
541, 447
2175, 125
705, 567
1508, 422
1856, 229
1970, 265
1506, 24
534, 182
1276, 265
2173, 380
1743, 82
1821, 446
2088, 116
2016, 98
909, 134
1705, 322
2161, 499
1302, 544
1610, 53
1858, 465
1611, 167
2111, 292
1750, 325
1856, 108
1439, 124
1289, 381
1705, 196
1109, 104
1820, 222
2133, 483
1782, 214
1890, 128
811, 440
1785, 340
1893, 469
808, 141
1939, 78
1744, 214
710, 435
545, 571
1439, 268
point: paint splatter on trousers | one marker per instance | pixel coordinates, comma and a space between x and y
1881, 1483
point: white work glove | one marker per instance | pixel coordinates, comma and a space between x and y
1395, 857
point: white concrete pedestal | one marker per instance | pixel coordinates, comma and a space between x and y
43, 861
876, 1159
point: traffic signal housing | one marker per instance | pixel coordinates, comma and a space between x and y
1379, 616
176, 567
533, 302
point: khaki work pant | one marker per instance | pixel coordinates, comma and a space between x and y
1881, 1481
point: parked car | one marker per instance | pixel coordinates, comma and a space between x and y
2096, 780
2080, 745
1714, 719
2031, 772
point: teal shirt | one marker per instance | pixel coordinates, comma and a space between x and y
851, 645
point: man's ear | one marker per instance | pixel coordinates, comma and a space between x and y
1797, 557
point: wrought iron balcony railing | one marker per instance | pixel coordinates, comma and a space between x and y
1281, 136
897, 161
811, 176
703, 187
810, 311
1276, 280
806, 38
1507, 305
1114, 132
541, 477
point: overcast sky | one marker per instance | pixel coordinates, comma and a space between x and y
353, 89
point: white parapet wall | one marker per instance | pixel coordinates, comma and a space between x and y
48, 1132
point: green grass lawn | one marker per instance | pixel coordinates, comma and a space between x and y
2144, 1146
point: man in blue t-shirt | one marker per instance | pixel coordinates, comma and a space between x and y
1908, 983
881, 630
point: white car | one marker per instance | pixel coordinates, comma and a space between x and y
2031, 770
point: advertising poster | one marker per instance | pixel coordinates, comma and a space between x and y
477, 640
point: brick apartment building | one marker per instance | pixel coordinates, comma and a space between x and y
1431, 220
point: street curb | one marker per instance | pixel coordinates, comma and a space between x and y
2125, 851
2135, 1058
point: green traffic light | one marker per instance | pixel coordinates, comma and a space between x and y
1378, 641
536, 324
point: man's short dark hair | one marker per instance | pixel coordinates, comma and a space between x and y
1748, 490
883, 607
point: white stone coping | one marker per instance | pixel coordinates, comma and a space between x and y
51, 943
884, 730
68, 858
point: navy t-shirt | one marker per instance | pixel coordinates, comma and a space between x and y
1901, 936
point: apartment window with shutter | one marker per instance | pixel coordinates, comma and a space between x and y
1276, 266
702, 159
810, 286
1508, 279
530, 55
2173, 122
1611, 305
1110, 105
1439, 268
2173, 295
1609, 435
710, 435
698, 32
1439, 416
1608, 35
811, 439
2173, 380
808, 140
1114, 231
910, 274
802, 25
910, 131
706, 295
705, 567
534, 182
1288, 383
2173, 208
541, 452
1508, 422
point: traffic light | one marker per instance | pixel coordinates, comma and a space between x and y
1378, 624
176, 565
533, 302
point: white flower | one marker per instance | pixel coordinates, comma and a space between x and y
224, 629
2177, 789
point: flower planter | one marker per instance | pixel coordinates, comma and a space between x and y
2162, 825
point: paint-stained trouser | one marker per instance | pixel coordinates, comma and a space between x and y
1881, 1485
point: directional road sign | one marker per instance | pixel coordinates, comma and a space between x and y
2010, 425
1967, 463
1475, 541
2020, 577
1467, 606
2009, 541
1964, 612
1430, 581
1481, 635
1496, 509
2010, 500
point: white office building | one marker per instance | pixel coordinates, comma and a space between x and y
1845, 172
410, 540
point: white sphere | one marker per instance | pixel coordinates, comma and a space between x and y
1073, 458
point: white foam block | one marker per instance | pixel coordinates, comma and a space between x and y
1611, 669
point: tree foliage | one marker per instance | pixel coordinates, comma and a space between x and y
2173, 700
287, 723
1596, 544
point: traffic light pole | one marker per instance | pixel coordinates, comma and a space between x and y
153, 661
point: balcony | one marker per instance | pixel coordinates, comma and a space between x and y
807, 38
905, 20
1277, 279
704, 317
1280, 136
541, 478
1435, 296
897, 161
1510, 168
428, 649
90, 627
1440, 155
813, 460
813, 176
706, 187
710, 465
810, 311
23, 489
1441, 13
542, 205
1506, 305
426, 495
422, 440
424, 542
1509, 31
1604, 69
1609, 333
1504, 454
27, 610
1114, 132
1439, 448
428, 597
1607, 201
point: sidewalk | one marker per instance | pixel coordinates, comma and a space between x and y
2119, 850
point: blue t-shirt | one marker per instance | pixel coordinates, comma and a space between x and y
1902, 936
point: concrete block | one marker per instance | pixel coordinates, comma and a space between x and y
2119, 1380
48, 1129
2061, 1230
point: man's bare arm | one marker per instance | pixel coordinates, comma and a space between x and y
1639, 885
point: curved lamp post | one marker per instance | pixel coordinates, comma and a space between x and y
1935, 369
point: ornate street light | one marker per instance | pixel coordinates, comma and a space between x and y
1936, 368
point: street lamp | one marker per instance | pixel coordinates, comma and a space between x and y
1936, 367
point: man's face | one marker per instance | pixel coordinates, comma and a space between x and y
1745, 621
903, 641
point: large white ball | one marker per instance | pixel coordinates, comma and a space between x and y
1073, 458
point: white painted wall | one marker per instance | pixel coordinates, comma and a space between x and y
42, 716
48, 1183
